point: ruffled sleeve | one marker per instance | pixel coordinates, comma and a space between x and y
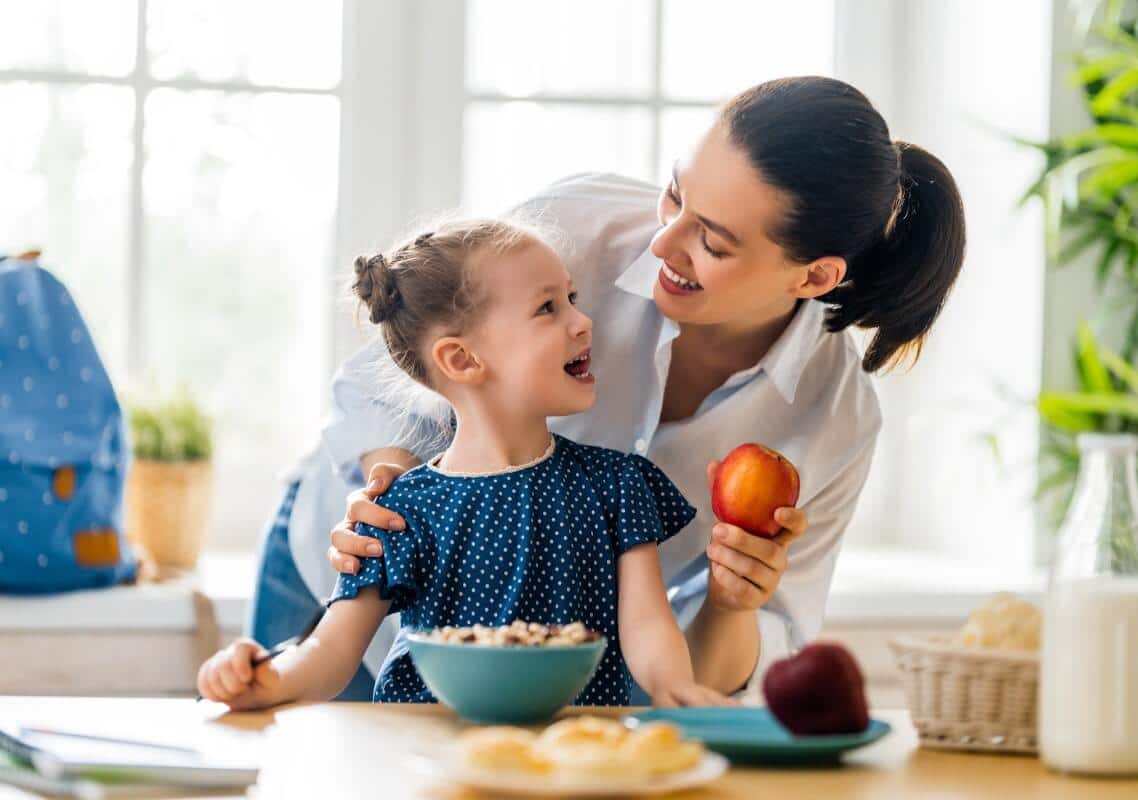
644, 505
395, 573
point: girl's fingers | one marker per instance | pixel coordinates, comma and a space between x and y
227, 677
214, 689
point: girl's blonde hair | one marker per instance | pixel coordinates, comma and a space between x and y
425, 284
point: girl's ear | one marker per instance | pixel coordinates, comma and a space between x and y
821, 276
456, 362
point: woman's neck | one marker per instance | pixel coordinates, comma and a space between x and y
733, 346
487, 442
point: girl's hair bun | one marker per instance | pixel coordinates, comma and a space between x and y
376, 286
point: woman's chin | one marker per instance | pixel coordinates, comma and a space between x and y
678, 308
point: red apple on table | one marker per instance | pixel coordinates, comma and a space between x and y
819, 691
751, 482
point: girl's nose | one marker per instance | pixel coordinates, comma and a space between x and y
582, 323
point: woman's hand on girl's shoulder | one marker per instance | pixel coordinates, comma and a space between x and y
348, 547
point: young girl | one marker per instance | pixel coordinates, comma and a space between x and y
510, 522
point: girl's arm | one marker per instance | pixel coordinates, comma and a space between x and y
653, 644
323, 665
318, 669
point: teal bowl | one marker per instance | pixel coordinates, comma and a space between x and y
504, 685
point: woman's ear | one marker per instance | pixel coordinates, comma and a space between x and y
821, 276
456, 362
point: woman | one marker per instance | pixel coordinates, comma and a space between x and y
720, 309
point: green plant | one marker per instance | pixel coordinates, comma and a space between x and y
1089, 181
1089, 187
176, 430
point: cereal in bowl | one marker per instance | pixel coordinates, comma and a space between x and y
516, 634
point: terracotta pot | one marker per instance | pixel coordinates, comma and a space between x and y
167, 509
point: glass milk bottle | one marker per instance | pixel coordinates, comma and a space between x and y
1088, 694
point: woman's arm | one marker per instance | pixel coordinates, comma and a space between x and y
654, 647
783, 588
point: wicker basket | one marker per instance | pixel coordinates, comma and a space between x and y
167, 509
969, 699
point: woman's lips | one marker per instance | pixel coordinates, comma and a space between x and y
671, 287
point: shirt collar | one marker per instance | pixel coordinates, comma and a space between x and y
787, 357
640, 277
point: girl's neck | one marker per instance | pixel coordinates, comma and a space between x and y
486, 442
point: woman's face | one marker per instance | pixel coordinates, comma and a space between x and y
719, 266
532, 339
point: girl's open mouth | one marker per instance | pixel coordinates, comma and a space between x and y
578, 368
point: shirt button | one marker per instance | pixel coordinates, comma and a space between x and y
641, 445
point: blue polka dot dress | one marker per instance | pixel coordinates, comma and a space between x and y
537, 543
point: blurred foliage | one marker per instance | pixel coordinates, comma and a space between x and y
1089, 188
176, 430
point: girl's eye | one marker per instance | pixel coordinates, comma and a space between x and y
546, 308
573, 298
672, 194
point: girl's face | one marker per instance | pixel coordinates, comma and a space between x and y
719, 266
532, 340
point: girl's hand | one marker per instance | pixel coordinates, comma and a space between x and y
348, 546
690, 694
229, 677
745, 569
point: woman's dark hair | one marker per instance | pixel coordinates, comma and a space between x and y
890, 209
424, 284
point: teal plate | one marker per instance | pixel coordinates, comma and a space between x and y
754, 736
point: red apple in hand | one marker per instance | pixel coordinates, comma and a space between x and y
819, 691
750, 484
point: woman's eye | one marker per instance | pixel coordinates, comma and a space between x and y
672, 194
546, 307
708, 248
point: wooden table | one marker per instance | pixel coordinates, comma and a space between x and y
347, 750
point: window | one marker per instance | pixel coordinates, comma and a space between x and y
178, 163
202, 179
554, 88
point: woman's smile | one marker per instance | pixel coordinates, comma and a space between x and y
675, 283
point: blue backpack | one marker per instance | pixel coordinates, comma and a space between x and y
63, 453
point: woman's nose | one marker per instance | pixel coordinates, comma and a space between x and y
665, 244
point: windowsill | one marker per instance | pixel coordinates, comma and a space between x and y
871, 587
892, 586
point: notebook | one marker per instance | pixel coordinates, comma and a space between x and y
76, 756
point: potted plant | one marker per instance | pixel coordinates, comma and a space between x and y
170, 482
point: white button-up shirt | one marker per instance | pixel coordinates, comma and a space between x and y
807, 398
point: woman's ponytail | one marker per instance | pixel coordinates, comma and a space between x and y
899, 284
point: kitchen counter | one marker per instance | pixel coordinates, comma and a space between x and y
361, 749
